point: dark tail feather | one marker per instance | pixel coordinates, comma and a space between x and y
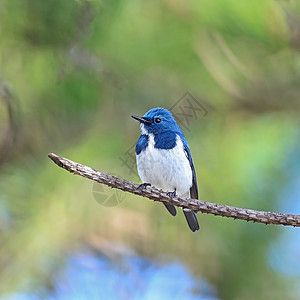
191, 219
171, 208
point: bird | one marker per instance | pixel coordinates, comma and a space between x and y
164, 159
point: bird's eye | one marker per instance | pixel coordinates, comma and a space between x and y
157, 120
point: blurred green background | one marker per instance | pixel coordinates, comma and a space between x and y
71, 75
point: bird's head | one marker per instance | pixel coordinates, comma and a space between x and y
156, 121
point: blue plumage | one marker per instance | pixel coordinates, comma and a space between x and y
142, 143
165, 140
164, 158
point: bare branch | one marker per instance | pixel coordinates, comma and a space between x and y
158, 195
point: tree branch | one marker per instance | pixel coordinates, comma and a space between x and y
158, 195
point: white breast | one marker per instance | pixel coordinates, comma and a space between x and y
166, 169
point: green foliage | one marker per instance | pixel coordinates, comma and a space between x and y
79, 69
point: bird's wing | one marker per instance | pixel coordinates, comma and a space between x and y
194, 187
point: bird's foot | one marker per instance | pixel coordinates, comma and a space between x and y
172, 195
142, 186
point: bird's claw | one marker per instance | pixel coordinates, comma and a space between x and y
142, 186
172, 195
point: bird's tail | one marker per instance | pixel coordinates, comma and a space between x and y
171, 209
191, 219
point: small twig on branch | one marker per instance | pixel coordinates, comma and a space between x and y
158, 195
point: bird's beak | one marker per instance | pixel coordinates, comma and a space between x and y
141, 120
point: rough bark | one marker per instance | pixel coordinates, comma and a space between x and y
161, 196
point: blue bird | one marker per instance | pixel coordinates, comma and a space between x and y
164, 159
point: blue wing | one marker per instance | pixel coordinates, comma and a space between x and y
189, 214
194, 187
